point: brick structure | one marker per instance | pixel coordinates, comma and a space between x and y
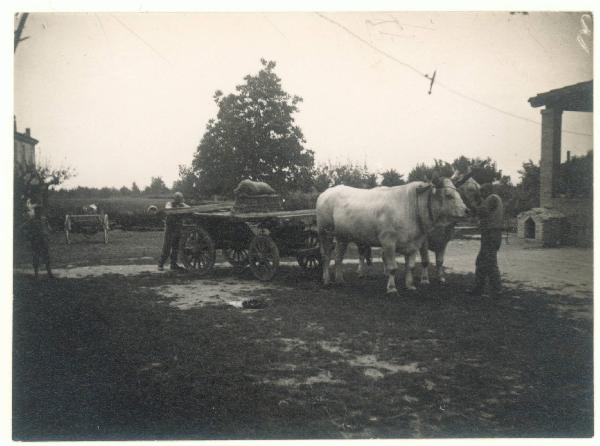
543, 225
576, 226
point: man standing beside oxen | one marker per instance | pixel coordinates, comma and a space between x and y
491, 222
173, 229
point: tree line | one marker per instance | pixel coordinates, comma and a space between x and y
254, 135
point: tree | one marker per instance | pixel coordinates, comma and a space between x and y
254, 136
484, 170
157, 187
576, 177
350, 174
32, 185
187, 182
125, 191
135, 190
526, 194
392, 178
423, 172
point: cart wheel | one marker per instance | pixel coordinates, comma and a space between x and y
197, 251
310, 262
264, 257
236, 256
105, 226
67, 228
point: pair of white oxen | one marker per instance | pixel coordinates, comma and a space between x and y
406, 219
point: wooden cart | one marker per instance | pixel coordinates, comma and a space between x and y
86, 224
251, 239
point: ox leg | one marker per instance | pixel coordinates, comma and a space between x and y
424, 251
340, 250
409, 260
326, 243
388, 255
439, 265
364, 256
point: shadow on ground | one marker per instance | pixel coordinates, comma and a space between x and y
109, 358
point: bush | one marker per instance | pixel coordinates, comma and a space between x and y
295, 201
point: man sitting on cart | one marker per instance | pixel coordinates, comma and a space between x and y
173, 229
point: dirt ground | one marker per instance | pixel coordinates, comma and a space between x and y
114, 349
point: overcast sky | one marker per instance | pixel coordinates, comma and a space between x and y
122, 97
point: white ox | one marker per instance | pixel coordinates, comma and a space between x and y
396, 218
440, 235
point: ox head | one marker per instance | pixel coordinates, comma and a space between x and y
446, 199
468, 188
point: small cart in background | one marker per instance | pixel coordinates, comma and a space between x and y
86, 224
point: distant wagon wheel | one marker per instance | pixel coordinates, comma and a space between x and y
197, 251
263, 255
68, 228
237, 256
105, 227
310, 259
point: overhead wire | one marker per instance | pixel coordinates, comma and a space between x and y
154, 50
440, 84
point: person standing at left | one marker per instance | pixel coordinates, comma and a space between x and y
37, 230
172, 236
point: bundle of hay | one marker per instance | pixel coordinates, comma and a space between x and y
255, 196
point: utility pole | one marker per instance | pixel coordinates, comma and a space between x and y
20, 27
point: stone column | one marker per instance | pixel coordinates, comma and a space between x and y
550, 160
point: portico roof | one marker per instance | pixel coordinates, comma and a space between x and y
576, 97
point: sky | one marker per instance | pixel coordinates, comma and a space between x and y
123, 97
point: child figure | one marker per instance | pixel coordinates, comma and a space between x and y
37, 230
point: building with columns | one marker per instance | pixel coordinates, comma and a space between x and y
560, 219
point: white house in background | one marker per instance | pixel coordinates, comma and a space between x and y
24, 147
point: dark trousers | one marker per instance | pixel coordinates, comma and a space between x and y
170, 245
486, 265
40, 253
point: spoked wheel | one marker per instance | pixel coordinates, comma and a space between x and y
197, 251
310, 258
236, 256
263, 256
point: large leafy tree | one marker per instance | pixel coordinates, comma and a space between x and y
254, 136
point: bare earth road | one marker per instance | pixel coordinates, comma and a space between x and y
114, 349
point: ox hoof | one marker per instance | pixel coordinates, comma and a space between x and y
411, 288
442, 281
425, 282
392, 292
